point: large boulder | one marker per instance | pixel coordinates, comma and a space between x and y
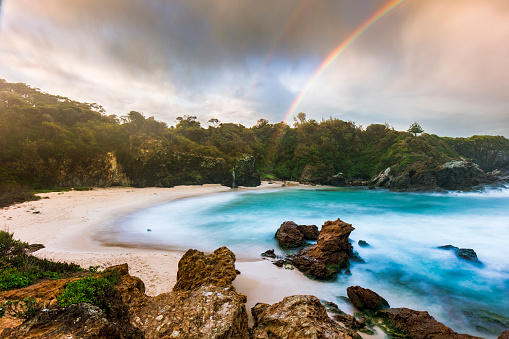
195, 269
288, 235
295, 317
504, 335
419, 324
203, 303
205, 312
330, 254
463, 253
365, 299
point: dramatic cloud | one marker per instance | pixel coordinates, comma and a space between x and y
442, 63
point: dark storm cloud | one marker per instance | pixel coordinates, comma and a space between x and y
427, 60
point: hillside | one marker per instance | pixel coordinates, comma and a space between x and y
51, 141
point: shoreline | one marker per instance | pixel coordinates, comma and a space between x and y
66, 223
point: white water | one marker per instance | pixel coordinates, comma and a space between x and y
403, 229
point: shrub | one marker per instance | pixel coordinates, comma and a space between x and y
87, 290
11, 278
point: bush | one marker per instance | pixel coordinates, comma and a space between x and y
15, 193
11, 278
87, 290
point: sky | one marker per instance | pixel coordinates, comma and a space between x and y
444, 64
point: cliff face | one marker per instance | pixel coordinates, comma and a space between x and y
489, 152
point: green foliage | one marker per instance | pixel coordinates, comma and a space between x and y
23, 309
51, 141
19, 269
415, 128
87, 290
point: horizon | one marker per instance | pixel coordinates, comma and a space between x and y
442, 65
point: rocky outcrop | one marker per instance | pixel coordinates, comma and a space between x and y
365, 299
310, 232
489, 152
463, 253
330, 254
83, 321
195, 269
244, 173
203, 303
452, 175
314, 174
291, 235
295, 317
419, 324
205, 312
349, 321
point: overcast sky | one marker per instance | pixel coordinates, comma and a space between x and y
442, 63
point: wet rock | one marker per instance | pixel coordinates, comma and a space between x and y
365, 299
76, 321
330, 254
468, 254
310, 232
363, 243
289, 236
195, 269
419, 324
298, 316
463, 253
347, 320
269, 254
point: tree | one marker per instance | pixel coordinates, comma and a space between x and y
415, 128
214, 122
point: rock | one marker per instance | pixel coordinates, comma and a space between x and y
310, 232
347, 320
246, 173
319, 173
468, 254
295, 317
419, 324
269, 254
463, 253
337, 180
35, 247
45, 291
205, 312
363, 243
195, 269
289, 236
76, 321
504, 335
330, 254
365, 299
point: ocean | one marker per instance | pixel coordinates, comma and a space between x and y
403, 263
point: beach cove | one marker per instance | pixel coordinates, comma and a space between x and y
68, 225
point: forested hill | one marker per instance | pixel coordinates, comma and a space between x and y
51, 141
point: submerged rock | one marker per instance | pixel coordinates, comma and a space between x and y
419, 324
330, 254
463, 253
363, 243
295, 317
365, 299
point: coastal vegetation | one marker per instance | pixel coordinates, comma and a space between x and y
49, 141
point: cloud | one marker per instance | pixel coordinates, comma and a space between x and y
430, 61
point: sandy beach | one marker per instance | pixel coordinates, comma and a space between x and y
65, 223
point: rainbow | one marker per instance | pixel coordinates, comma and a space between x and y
389, 6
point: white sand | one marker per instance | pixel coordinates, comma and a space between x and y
65, 223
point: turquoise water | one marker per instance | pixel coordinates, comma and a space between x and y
403, 229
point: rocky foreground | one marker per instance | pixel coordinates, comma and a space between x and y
204, 304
